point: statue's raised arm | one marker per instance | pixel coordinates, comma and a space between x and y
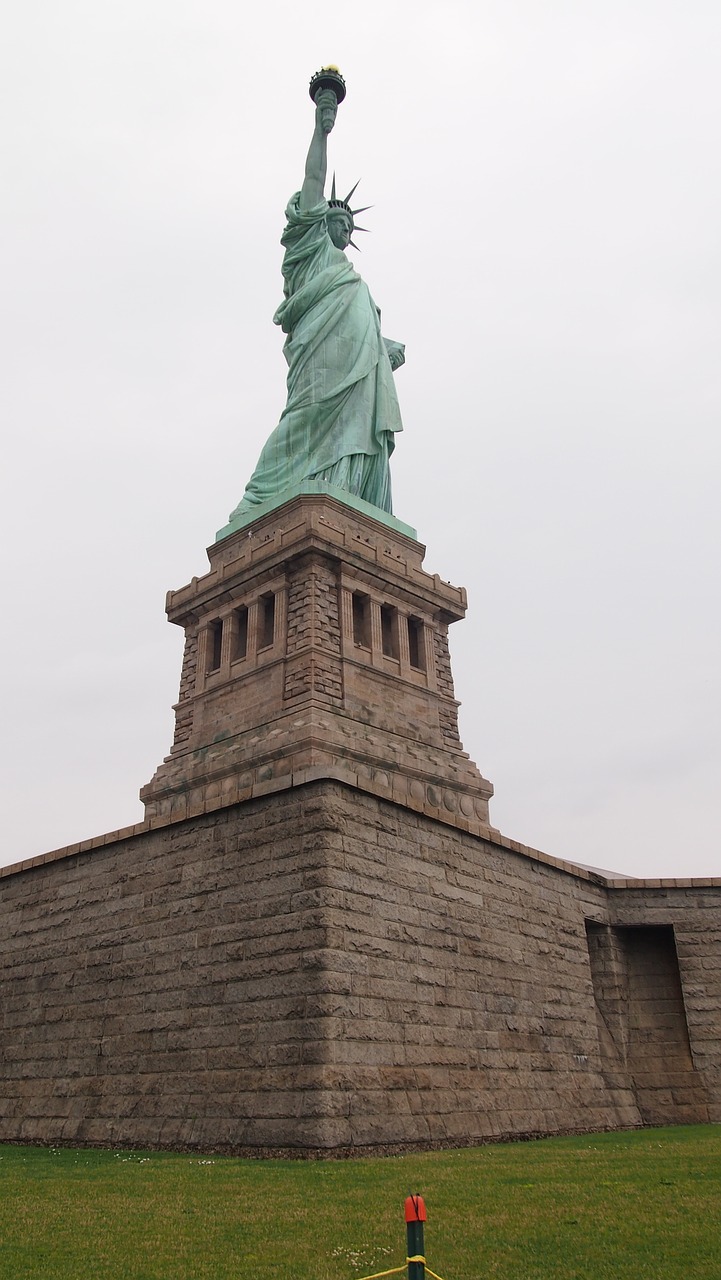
316, 165
336, 433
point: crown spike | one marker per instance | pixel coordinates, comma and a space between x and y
332, 190
350, 193
365, 206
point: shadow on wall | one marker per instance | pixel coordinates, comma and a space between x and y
641, 1016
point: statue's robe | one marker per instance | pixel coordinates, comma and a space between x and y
342, 411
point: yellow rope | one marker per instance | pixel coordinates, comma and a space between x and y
394, 1272
418, 1257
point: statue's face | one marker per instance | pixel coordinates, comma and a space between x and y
340, 228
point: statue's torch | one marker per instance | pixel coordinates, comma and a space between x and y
328, 78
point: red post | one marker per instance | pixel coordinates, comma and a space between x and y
415, 1217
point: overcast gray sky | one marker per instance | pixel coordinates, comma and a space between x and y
547, 204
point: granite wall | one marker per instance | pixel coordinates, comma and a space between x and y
319, 968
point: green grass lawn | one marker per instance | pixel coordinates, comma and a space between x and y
631, 1206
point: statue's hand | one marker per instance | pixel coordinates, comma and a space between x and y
326, 108
396, 353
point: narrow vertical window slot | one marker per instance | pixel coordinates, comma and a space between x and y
389, 631
240, 646
416, 647
266, 621
215, 644
361, 620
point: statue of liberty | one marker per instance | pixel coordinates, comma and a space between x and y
342, 412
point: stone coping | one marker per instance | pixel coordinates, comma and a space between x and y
329, 774
325, 490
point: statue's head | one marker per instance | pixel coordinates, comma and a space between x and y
340, 227
340, 218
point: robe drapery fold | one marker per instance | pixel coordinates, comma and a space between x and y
342, 410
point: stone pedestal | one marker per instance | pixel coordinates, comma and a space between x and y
317, 647
315, 942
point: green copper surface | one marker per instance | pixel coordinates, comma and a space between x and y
342, 414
